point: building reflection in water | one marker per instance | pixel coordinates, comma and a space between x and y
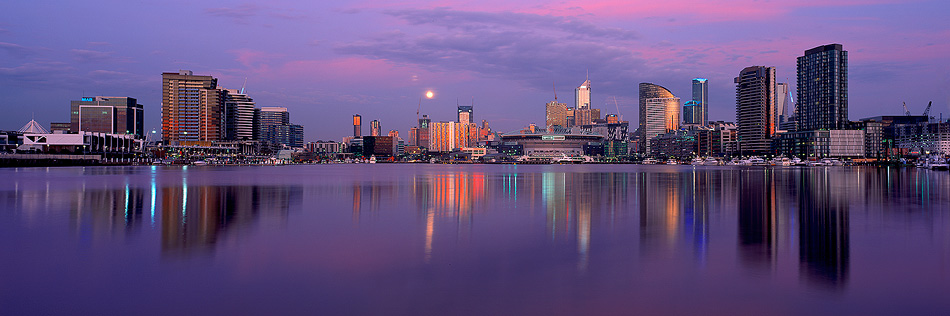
823, 228
112, 213
195, 217
455, 195
757, 217
674, 211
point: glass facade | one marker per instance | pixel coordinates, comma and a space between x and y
823, 89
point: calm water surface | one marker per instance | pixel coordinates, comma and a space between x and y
475, 239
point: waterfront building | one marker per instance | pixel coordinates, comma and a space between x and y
755, 110
394, 134
322, 146
374, 129
701, 98
239, 116
881, 141
357, 125
192, 109
549, 144
555, 114
276, 128
112, 115
379, 146
442, 136
659, 113
924, 138
823, 89
822, 144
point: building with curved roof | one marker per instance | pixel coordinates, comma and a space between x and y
659, 113
552, 143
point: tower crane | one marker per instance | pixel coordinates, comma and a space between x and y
927, 111
906, 111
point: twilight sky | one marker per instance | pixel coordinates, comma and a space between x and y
328, 60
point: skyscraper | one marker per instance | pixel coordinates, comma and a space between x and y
357, 125
374, 129
465, 115
755, 110
423, 140
823, 88
555, 114
192, 108
582, 95
659, 113
701, 96
693, 112
114, 115
239, 116
781, 93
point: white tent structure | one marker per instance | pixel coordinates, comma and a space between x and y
33, 128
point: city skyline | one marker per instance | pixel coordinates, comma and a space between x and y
326, 73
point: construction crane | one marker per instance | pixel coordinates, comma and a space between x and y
906, 111
927, 111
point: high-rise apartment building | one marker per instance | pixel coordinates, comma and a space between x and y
755, 110
276, 128
442, 136
701, 96
465, 114
357, 125
192, 109
659, 113
113, 115
413, 136
823, 89
374, 129
555, 114
239, 116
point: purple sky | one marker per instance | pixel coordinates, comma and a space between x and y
326, 60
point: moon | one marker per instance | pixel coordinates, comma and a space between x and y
429, 94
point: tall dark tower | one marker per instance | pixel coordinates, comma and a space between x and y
357, 125
823, 89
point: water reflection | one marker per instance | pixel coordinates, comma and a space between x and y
481, 237
823, 227
195, 217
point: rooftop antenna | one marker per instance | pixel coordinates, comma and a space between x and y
243, 85
620, 115
555, 91
418, 108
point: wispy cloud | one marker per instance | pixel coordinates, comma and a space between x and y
16, 49
527, 47
245, 13
89, 56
